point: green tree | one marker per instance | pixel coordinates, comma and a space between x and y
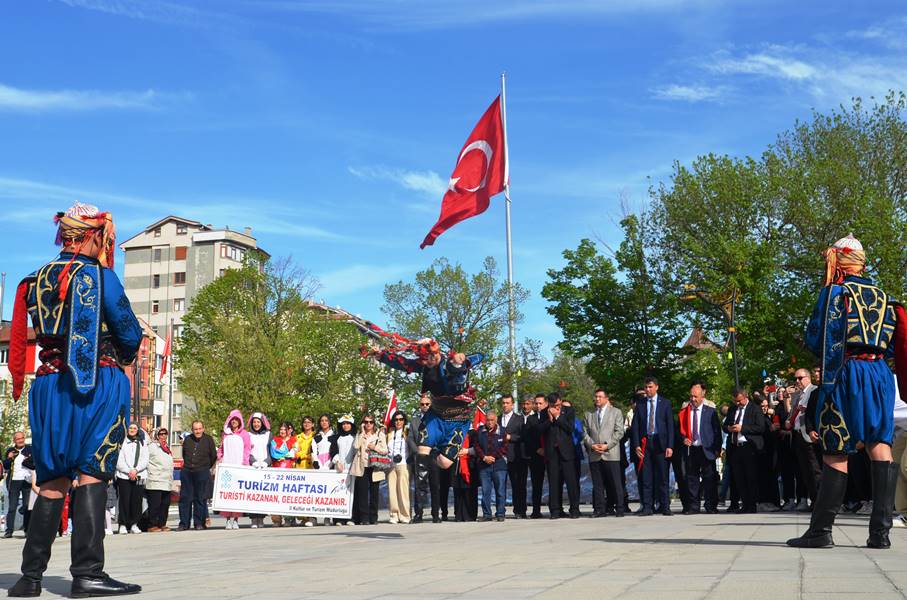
13, 414
613, 314
758, 225
464, 312
252, 342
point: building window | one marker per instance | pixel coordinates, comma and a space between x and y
155, 307
177, 437
182, 229
2, 388
179, 278
155, 281
158, 391
177, 331
157, 232
232, 252
179, 304
156, 255
154, 329
178, 411
4, 356
179, 253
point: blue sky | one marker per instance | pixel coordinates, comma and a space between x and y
331, 126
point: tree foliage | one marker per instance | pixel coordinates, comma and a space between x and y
612, 313
464, 312
251, 342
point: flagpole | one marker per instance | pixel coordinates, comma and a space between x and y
170, 390
511, 306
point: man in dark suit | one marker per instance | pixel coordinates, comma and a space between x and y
532, 441
556, 429
422, 471
746, 426
653, 421
512, 423
701, 433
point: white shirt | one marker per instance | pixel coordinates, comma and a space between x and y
696, 417
505, 419
20, 472
800, 421
738, 419
397, 445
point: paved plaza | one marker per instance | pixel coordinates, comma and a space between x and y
677, 558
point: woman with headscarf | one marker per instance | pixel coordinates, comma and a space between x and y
283, 456
260, 452
160, 482
235, 449
854, 328
365, 495
132, 470
343, 451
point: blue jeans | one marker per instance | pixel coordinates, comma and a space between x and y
496, 478
193, 487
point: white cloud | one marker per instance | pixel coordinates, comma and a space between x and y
437, 14
427, 183
146, 10
690, 93
776, 62
22, 100
360, 277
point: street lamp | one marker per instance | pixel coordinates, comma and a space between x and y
726, 303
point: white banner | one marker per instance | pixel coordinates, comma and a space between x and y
290, 492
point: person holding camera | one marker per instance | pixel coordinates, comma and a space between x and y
402, 449
18, 465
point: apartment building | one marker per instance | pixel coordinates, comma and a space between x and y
166, 265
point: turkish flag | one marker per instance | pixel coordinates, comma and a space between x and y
391, 408
481, 172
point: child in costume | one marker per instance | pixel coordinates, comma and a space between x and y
79, 402
446, 378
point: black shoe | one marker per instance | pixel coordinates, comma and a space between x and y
644, 513
535, 515
619, 513
733, 509
884, 481
667, 512
184, 528
417, 519
42, 532
87, 546
8, 534
101, 585
596, 514
484, 519
711, 511
554, 516
26, 587
831, 493
436, 519
499, 519
690, 511
575, 515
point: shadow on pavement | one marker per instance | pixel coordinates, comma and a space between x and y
691, 541
373, 536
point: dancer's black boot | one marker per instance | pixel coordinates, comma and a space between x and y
88, 576
42, 530
884, 481
825, 508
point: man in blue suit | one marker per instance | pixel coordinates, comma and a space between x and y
653, 421
701, 432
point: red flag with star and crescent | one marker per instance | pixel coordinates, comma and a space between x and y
481, 172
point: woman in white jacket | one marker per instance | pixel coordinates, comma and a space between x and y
132, 470
160, 482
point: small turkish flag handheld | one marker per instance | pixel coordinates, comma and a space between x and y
391, 408
168, 350
481, 172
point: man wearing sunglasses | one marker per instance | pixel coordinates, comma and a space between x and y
805, 437
423, 473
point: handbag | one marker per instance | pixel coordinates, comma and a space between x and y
379, 461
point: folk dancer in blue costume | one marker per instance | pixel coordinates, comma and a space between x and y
854, 328
446, 377
78, 405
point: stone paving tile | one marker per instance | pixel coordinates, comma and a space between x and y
721, 556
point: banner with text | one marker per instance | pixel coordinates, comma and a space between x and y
290, 492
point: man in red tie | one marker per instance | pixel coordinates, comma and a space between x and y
701, 432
